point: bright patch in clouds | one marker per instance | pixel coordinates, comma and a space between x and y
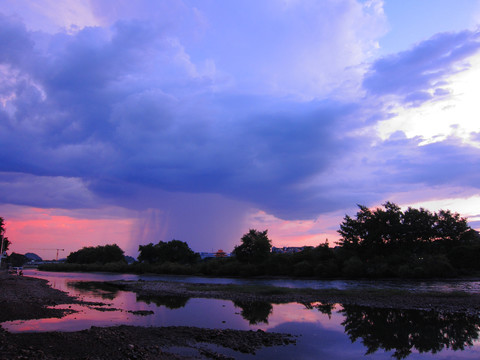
452, 111
467, 207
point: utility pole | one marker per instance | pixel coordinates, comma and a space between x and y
56, 259
57, 253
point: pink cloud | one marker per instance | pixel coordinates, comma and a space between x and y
298, 232
37, 229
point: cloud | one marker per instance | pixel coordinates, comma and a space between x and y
300, 49
450, 162
204, 128
410, 73
400, 165
44, 191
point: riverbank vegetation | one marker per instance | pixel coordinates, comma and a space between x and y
381, 243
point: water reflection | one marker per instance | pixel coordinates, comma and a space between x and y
404, 330
399, 331
97, 289
324, 308
255, 312
325, 330
170, 302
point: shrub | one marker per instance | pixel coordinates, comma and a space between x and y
353, 267
303, 268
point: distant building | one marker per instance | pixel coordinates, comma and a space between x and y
289, 249
220, 254
206, 255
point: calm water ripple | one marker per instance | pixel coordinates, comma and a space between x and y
325, 330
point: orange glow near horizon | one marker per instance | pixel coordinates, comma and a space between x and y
42, 230
297, 232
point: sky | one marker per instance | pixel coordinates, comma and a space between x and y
136, 122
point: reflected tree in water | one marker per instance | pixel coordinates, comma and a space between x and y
254, 312
100, 289
169, 301
404, 330
323, 308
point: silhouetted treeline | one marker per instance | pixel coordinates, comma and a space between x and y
174, 251
98, 254
381, 243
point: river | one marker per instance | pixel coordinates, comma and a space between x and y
325, 331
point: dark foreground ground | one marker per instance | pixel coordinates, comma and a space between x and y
24, 298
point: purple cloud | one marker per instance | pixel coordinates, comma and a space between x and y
125, 112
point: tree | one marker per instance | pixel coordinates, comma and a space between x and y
450, 227
382, 231
372, 230
99, 254
3, 239
17, 260
174, 251
255, 246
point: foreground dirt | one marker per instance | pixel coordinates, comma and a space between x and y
23, 298
436, 301
27, 298
131, 342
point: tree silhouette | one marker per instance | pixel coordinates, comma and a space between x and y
173, 251
255, 247
381, 231
3, 239
98, 254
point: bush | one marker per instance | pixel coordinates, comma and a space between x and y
327, 269
353, 267
304, 269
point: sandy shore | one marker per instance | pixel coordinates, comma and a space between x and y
29, 298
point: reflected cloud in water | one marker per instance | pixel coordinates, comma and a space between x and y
392, 330
325, 330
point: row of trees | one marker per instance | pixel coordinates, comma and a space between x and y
173, 251
388, 229
97, 254
384, 242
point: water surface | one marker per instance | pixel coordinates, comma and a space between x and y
325, 331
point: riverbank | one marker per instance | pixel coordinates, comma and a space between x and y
442, 302
24, 298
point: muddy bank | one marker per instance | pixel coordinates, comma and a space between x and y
130, 342
409, 300
23, 298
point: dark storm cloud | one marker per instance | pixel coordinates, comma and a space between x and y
123, 110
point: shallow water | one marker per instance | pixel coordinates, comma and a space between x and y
325, 331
